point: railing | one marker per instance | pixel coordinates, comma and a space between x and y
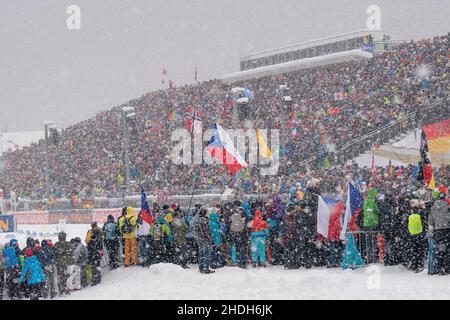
388, 132
370, 245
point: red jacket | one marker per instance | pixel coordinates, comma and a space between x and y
257, 223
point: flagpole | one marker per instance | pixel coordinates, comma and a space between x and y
192, 195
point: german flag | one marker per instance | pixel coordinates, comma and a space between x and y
438, 136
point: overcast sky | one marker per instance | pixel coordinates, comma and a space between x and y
48, 72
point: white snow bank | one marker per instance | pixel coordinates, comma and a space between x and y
166, 281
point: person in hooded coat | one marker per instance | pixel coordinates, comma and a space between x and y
48, 264
32, 269
371, 223
180, 230
416, 246
95, 254
308, 221
129, 237
439, 228
391, 228
204, 240
239, 237
63, 253
291, 238
217, 257
275, 216
111, 239
12, 256
259, 231
80, 258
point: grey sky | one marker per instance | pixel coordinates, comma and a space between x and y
48, 72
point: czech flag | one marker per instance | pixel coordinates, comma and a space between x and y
329, 213
146, 214
221, 147
353, 207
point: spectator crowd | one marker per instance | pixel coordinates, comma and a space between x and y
330, 105
401, 222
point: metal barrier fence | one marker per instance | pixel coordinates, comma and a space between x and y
370, 245
434, 112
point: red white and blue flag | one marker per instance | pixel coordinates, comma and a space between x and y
329, 212
353, 208
221, 147
194, 120
146, 213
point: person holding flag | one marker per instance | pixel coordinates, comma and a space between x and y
144, 221
353, 207
425, 168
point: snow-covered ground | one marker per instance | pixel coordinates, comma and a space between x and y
167, 281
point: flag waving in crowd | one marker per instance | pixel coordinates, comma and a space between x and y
146, 213
353, 207
194, 120
221, 147
426, 170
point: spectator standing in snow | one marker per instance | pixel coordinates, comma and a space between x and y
180, 230
11, 260
32, 270
95, 254
291, 238
80, 258
416, 243
439, 228
204, 240
111, 238
259, 232
143, 241
238, 237
127, 228
63, 253
217, 258
48, 260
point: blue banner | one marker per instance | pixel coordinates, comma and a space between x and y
6, 223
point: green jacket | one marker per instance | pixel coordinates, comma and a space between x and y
371, 214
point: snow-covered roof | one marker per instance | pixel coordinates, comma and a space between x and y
290, 66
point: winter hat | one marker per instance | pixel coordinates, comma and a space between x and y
28, 252
414, 203
174, 206
13, 242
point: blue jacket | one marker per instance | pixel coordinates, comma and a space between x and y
215, 228
11, 260
33, 267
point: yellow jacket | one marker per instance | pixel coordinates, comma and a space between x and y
130, 216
